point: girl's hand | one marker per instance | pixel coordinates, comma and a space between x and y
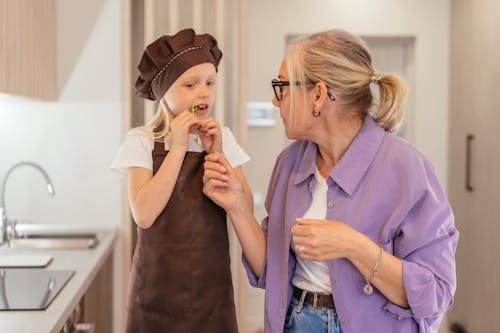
211, 135
180, 127
322, 240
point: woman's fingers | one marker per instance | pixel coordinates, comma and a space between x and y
219, 159
213, 174
215, 166
214, 183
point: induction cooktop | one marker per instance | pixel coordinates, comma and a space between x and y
30, 289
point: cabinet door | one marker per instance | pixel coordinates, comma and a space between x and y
474, 185
97, 309
28, 48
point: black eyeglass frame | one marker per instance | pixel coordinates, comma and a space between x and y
278, 91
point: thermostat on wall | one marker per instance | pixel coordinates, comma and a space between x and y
261, 114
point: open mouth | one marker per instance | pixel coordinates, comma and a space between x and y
199, 109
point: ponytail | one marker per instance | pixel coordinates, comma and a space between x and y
343, 62
392, 103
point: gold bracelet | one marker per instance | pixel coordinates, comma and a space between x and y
368, 289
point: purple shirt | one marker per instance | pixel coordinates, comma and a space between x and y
386, 189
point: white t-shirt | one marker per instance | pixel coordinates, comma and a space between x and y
314, 275
136, 149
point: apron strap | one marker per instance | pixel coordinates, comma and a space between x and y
159, 146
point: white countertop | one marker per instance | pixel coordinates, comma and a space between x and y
85, 262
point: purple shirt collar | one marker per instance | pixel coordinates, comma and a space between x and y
353, 165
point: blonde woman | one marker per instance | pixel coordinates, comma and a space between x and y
180, 279
359, 236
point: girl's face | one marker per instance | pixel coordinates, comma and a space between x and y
296, 122
196, 86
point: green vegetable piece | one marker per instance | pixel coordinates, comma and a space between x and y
193, 109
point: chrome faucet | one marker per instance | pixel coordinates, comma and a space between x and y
4, 235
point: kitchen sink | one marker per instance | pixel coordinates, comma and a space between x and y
30, 289
55, 241
51, 237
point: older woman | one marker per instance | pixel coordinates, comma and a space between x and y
359, 235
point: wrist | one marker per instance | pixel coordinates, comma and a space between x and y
239, 213
358, 246
178, 150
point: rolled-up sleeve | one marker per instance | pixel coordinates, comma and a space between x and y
426, 242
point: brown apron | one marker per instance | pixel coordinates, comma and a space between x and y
181, 278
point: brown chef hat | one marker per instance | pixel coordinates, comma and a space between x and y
165, 59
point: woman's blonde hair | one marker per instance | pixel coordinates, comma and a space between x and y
342, 61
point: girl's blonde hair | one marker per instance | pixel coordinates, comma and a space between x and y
342, 61
158, 128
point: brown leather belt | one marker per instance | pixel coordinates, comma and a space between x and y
316, 300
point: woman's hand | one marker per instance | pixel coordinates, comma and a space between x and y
180, 127
228, 188
222, 184
210, 135
322, 240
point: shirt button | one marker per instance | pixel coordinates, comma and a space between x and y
330, 204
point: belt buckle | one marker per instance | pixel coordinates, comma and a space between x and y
315, 300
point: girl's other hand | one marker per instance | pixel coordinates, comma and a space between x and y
211, 135
180, 128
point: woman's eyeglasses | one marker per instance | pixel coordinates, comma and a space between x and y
278, 88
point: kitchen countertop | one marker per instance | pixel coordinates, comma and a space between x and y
85, 262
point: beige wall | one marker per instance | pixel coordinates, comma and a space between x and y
270, 22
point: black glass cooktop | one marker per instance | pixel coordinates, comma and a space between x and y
30, 289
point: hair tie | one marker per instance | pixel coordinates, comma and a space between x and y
375, 78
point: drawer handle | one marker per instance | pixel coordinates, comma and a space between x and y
83, 327
468, 185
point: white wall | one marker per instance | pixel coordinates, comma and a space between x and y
427, 20
74, 138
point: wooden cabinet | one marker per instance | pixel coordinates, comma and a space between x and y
28, 48
94, 312
98, 300
474, 184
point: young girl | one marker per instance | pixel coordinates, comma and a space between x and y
180, 279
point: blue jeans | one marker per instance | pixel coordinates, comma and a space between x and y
302, 318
